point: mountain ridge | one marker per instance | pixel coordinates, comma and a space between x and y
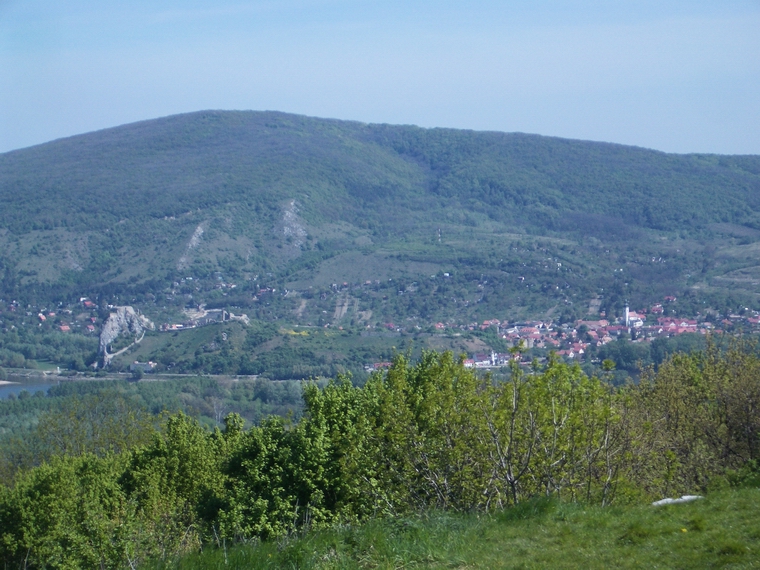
117, 208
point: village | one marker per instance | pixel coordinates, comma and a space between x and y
573, 341
577, 341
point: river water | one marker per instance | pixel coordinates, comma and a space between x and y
30, 384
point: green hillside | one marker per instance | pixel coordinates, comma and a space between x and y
522, 223
720, 531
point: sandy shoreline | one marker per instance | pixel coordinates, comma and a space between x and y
5, 382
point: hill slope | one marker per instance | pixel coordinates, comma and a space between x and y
522, 222
719, 531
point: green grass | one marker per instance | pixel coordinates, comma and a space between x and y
347, 348
720, 531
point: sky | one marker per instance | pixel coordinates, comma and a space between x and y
677, 76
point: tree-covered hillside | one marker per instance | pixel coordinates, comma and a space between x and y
170, 166
285, 201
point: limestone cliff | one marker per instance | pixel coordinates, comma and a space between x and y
123, 320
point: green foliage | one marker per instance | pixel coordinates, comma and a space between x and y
70, 513
747, 476
632, 357
695, 420
422, 437
21, 347
718, 531
115, 415
172, 482
101, 424
365, 164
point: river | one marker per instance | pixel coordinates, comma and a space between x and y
31, 384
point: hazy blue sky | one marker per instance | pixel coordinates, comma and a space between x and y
678, 76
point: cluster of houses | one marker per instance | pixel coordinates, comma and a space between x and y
81, 317
573, 341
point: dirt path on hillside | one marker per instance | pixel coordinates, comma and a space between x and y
108, 357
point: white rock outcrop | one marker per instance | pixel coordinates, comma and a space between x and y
123, 320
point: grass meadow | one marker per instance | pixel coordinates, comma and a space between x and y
720, 531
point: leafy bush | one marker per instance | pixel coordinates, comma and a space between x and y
422, 436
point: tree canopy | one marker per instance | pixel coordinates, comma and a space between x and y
426, 434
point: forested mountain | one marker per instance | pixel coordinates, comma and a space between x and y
523, 222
